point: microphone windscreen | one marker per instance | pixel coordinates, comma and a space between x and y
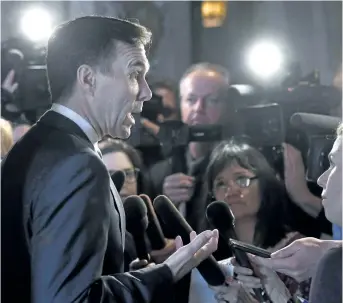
118, 179
315, 123
136, 215
154, 230
169, 215
220, 216
137, 223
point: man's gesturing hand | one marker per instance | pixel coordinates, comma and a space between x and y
190, 256
159, 256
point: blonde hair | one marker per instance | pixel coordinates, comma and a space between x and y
340, 130
337, 82
6, 137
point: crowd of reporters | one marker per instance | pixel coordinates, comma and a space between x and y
271, 211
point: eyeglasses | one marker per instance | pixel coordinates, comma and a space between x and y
131, 174
241, 182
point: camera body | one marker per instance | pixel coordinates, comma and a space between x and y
272, 118
28, 61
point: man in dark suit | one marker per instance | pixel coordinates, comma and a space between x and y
63, 224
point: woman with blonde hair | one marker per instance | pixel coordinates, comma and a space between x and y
6, 137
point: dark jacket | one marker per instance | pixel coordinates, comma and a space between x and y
327, 282
63, 223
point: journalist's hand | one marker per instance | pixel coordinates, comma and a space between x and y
159, 256
232, 293
240, 283
297, 260
242, 274
151, 127
8, 84
295, 181
190, 256
179, 188
269, 279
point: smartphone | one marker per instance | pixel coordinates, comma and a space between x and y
260, 252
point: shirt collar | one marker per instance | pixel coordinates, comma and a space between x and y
86, 127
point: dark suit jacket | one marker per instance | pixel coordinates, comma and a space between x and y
62, 229
326, 284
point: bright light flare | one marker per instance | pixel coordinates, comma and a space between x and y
36, 24
265, 60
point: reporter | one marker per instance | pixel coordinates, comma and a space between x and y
327, 282
315, 258
241, 176
118, 155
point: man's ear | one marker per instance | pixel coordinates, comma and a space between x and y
86, 79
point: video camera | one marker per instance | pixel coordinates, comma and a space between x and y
172, 134
28, 61
272, 118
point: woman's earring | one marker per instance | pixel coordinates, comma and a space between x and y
241, 196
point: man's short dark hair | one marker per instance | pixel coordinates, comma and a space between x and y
87, 40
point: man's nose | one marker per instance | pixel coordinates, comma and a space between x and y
200, 105
145, 93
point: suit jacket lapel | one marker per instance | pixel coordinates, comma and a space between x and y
120, 209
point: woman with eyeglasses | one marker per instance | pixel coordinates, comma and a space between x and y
240, 175
118, 155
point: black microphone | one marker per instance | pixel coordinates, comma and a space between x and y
137, 223
118, 179
154, 230
220, 216
169, 215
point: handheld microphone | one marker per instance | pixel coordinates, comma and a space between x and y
154, 230
137, 223
118, 179
220, 216
169, 215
